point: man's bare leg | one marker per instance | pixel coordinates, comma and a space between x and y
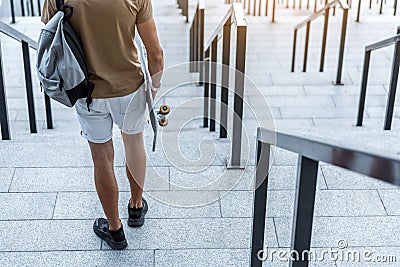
106, 184
135, 166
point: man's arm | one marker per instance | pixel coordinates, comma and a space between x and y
155, 54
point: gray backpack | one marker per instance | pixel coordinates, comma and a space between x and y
61, 62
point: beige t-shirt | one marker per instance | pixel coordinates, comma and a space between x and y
107, 29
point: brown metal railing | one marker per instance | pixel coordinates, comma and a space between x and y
311, 151
393, 79
197, 40
323, 11
184, 5
235, 16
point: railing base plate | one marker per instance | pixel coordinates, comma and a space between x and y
337, 84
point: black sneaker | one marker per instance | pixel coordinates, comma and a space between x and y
115, 239
136, 216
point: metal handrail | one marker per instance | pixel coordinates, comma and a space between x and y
26, 43
311, 151
323, 11
384, 43
234, 16
197, 40
393, 79
17, 35
184, 5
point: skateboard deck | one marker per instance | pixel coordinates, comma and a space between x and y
148, 86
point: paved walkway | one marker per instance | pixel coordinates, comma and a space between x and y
200, 213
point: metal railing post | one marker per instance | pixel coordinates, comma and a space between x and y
306, 46
395, 8
241, 47
294, 49
315, 6
324, 36
266, 7
49, 117
192, 46
248, 7
200, 43
363, 93
22, 8
381, 7
12, 11
32, 9
29, 89
393, 86
39, 7
273, 10
359, 10
185, 10
260, 202
342, 47
259, 7
226, 57
196, 47
213, 93
304, 209
254, 7
206, 87
4, 121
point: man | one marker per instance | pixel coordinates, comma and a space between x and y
107, 29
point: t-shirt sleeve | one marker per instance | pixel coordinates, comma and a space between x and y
145, 12
49, 10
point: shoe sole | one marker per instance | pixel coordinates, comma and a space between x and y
138, 222
112, 244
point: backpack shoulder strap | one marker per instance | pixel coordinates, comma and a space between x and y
59, 4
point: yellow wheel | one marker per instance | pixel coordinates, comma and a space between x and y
163, 123
165, 109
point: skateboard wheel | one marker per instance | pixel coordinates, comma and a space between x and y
163, 123
165, 109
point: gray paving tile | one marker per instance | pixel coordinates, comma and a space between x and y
211, 178
6, 176
284, 177
379, 231
342, 90
210, 233
348, 203
78, 258
202, 257
294, 101
196, 200
372, 256
163, 204
17, 206
79, 179
391, 201
326, 113
279, 257
48, 235
338, 178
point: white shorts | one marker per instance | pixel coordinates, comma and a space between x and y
128, 112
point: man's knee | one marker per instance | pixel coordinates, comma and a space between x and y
133, 138
102, 154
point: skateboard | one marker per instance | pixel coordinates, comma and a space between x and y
157, 118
